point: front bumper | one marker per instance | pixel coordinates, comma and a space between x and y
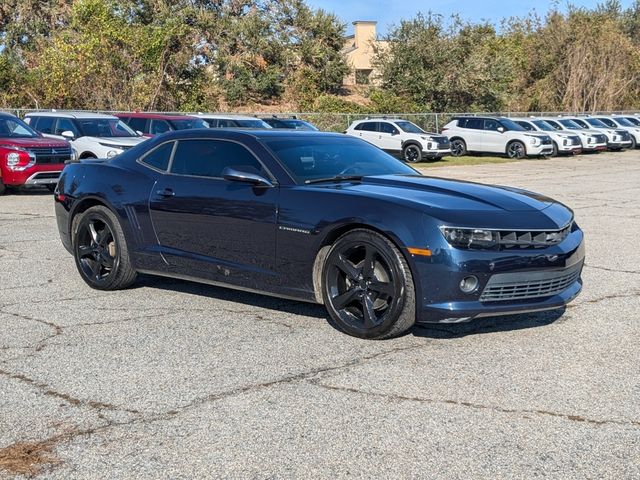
436, 153
512, 281
618, 145
539, 150
35, 175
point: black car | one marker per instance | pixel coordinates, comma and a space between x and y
290, 123
318, 217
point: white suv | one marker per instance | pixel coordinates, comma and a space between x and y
401, 138
563, 142
616, 139
621, 123
592, 140
92, 135
495, 135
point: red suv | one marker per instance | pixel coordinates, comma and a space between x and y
150, 124
28, 158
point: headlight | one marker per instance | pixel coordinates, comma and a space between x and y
13, 159
470, 237
112, 153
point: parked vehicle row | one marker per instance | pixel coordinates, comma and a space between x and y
544, 136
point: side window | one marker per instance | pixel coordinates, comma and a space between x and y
526, 126
213, 122
66, 125
159, 126
159, 157
491, 125
359, 126
138, 124
369, 127
208, 158
608, 122
386, 127
45, 124
474, 123
224, 123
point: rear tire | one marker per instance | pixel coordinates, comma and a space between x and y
100, 250
367, 286
516, 149
458, 147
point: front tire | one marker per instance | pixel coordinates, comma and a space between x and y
412, 153
100, 250
3, 187
516, 150
458, 147
555, 150
367, 286
634, 143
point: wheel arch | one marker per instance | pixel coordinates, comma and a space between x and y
87, 154
514, 140
82, 206
406, 143
337, 232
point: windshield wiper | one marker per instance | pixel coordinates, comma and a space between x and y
337, 178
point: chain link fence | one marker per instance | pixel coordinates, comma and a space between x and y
339, 122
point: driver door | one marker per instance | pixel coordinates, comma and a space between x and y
209, 227
492, 139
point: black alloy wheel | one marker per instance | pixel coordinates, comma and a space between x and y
516, 150
412, 153
367, 286
100, 250
458, 148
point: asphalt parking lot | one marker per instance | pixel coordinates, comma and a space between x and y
178, 380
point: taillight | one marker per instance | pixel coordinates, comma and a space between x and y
17, 160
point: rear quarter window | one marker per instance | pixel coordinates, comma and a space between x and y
159, 157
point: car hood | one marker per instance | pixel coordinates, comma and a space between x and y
117, 141
465, 203
34, 142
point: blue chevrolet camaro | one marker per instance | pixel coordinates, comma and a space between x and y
318, 217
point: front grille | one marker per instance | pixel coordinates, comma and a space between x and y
600, 138
48, 155
443, 143
532, 238
528, 285
575, 140
546, 141
624, 135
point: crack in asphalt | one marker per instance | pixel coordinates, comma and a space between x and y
616, 270
479, 406
50, 392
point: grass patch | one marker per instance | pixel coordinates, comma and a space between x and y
466, 160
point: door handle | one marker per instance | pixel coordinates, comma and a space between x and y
165, 192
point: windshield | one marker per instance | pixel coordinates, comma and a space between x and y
409, 127
187, 123
104, 127
635, 121
624, 122
309, 158
15, 128
594, 122
511, 125
542, 125
570, 124
252, 123
553, 123
581, 123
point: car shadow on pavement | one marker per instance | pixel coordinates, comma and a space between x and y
488, 325
231, 295
435, 330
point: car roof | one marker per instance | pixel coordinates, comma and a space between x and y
161, 116
7, 115
240, 133
225, 116
70, 114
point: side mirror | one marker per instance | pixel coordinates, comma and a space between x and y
395, 132
501, 129
234, 175
68, 134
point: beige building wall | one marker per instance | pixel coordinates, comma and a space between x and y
359, 50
